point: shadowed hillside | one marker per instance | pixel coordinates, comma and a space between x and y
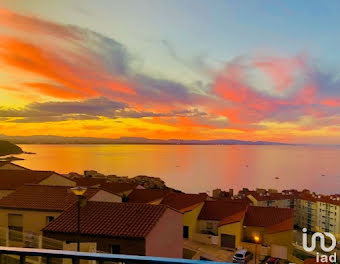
7, 148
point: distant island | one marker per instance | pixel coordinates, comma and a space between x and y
7, 148
48, 139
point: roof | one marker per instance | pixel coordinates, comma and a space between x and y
88, 181
42, 197
12, 179
120, 220
117, 187
272, 196
184, 202
105, 184
267, 216
5, 162
147, 195
220, 209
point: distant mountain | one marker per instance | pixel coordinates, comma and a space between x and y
47, 139
7, 148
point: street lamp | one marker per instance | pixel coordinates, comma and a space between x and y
257, 240
79, 192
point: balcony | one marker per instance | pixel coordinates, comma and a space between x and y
22, 255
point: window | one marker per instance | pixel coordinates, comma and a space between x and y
209, 225
49, 219
115, 249
185, 232
15, 227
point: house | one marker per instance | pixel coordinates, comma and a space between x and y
328, 214
188, 204
272, 199
120, 188
31, 207
150, 196
7, 165
273, 227
220, 222
307, 211
10, 180
125, 228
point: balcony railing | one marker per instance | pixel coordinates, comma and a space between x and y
101, 258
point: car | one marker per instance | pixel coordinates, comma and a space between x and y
242, 256
273, 261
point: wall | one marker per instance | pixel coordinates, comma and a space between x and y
57, 180
202, 225
250, 231
234, 229
281, 238
190, 219
127, 246
33, 221
166, 239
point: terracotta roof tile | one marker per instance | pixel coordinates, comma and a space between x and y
220, 209
87, 181
105, 184
266, 216
147, 195
181, 201
123, 220
237, 217
12, 179
42, 197
272, 196
117, 187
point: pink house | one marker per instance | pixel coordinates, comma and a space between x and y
125, 228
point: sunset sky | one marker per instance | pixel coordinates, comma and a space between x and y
193, 69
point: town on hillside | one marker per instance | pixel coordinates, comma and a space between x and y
142, 216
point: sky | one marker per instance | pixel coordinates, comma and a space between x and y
194, 69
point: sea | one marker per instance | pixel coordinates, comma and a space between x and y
199, 168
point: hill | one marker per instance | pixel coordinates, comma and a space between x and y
7, 148
49, 139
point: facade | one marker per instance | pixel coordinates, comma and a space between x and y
307, 212
123, 228
188, 204
31, 207
12, 179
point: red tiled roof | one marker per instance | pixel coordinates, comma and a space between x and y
87, 181
117, 187
123, 220
308, 197
237, 217
282, 226
147, 195
220, 209
112, 187
272, 196
184, 202
266, 216
42, 197
12, 179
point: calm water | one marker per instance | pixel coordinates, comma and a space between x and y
199, 168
